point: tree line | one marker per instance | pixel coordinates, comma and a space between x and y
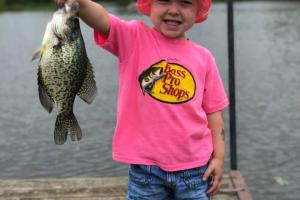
36, 4
8, 2
43, 4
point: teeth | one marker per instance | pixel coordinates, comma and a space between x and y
172, 22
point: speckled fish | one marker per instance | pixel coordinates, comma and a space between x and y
64, 71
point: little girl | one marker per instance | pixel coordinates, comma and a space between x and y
169, 118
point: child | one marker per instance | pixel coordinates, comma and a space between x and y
169, 120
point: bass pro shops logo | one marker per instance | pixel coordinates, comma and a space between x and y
168, 83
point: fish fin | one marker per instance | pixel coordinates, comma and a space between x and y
43, 96
38, 53
88, 90
61, 129
45, 99
75, 130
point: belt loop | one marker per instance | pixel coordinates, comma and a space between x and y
185, 173
148, 169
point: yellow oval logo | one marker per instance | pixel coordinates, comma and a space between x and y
168, 82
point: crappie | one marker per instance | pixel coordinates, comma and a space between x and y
64, 71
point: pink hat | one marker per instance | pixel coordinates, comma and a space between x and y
144, 7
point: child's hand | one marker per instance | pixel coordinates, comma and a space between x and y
59, 3
215, 170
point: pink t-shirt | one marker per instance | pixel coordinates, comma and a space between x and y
166, 89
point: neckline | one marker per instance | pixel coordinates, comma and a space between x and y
183, 41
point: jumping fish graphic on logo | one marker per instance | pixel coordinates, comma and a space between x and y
148, 78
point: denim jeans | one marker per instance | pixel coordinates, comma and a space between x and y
147, 182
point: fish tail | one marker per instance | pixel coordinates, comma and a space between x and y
61, 129
66, 123
75, 130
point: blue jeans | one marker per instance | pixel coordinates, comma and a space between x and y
147, 182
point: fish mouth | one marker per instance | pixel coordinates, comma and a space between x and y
57, 33
72, 8
148, 82
57, 25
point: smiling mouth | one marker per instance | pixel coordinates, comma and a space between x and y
172, 22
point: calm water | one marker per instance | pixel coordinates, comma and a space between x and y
268, 99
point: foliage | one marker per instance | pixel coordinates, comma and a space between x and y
48, 4
42, 4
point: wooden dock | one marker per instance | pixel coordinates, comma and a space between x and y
102, 188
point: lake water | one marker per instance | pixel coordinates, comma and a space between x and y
268, 99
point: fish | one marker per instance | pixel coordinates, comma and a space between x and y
64, 71
149, 77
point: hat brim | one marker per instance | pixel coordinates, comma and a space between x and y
143, 6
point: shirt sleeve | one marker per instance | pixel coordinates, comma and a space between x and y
120, 40
214, 97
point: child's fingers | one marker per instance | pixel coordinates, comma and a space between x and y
62, 3
208, 172
215, 186
59, 3
56, 2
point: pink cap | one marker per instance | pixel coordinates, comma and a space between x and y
143, 7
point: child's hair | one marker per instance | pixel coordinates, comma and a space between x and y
143, 7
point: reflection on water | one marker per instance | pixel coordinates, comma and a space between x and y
267, 61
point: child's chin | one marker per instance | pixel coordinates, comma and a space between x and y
173, 35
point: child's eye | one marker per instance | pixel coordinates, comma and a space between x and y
186, 2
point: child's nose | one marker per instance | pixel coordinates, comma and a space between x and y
174, 8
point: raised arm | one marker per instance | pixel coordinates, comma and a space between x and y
93, 14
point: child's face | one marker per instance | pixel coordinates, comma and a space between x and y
173, 18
